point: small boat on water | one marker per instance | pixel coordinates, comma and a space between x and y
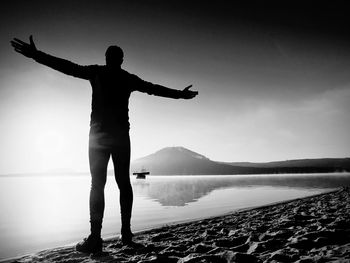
142, 174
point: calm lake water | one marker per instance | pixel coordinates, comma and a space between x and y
39, 212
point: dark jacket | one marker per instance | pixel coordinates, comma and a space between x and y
111, 89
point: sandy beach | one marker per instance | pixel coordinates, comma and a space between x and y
311, 229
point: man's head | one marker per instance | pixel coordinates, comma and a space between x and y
114, 56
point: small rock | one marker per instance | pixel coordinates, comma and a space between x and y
232, 233
264, 236
223, 231
253, 247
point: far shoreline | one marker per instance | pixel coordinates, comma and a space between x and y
111, 173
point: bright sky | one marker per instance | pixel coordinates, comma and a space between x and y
268, 90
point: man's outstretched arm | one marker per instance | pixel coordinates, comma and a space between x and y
62, 65
159, 90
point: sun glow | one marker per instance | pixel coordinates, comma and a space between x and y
49, 142
45, 140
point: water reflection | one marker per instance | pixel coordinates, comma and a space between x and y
180, 191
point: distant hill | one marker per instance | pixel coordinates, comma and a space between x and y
336, 163
181, 161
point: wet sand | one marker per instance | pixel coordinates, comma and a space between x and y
311, 229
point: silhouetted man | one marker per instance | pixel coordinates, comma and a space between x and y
109, 128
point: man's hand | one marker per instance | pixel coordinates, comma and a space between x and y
188, 94
28, 50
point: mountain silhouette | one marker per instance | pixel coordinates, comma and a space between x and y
181, 161
336, 163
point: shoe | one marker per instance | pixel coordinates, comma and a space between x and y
90, 245
127, 237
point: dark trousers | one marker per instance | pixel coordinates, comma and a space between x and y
103, 145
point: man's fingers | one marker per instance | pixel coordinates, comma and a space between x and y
189, 94
20, 41
19, 48
31, 40
188, 87
19, 51
23, 47
14, 44
19, 45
